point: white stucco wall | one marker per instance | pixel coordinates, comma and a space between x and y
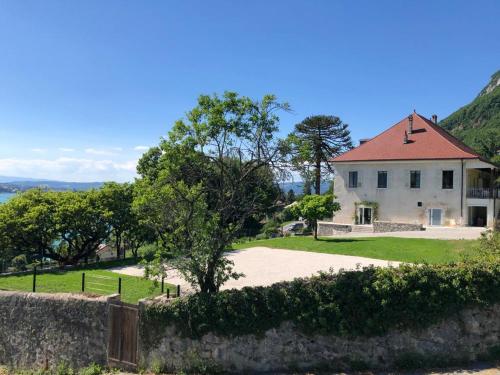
399, 202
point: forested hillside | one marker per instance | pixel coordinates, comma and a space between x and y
478, 123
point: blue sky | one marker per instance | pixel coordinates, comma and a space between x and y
86, 85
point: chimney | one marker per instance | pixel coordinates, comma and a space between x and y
363, 141
405, 139
410, 124
434, 119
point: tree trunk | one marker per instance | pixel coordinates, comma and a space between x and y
317, 186
118, 241
315, 230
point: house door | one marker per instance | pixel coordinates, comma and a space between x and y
364, 215
435, 216
478, 216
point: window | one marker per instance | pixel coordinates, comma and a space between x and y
447, 179
415, 179
382, 180
353, 179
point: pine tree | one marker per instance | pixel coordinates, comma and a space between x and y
315, 141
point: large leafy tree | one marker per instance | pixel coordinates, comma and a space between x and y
27, 225
314, 142
82, 222
117, 199
315, 207
201, 184
64, 226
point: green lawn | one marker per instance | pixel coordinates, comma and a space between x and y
98, 281
388, 248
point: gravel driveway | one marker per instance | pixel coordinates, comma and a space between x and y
263, 266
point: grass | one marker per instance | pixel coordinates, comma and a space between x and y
98, 281
413, 250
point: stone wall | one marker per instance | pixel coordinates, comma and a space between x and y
39, 329
387, 226
461, 338
42, 330
326, 228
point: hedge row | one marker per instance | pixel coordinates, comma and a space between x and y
350, 303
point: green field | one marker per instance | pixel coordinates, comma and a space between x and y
98, 281
411, 250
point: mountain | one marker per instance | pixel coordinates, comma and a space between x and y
478, 123
14, 179
13, 184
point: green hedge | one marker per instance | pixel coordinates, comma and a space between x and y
351, 303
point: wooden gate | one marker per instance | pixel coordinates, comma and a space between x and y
122, 345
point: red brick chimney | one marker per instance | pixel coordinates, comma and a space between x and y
410, 124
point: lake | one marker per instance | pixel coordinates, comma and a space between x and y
5, 196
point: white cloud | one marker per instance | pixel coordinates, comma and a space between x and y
69, 169
66, 149
94, 151
39, 150
141, 148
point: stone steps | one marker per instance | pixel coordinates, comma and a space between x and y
362, 228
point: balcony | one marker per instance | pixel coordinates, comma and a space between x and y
483, 193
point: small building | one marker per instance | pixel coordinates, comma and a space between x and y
416, 173
105, 252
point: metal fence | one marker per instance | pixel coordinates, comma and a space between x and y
102, 285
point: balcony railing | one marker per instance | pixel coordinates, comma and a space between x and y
483, 193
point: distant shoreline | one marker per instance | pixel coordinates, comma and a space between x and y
4, 197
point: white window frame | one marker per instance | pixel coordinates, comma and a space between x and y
429, 216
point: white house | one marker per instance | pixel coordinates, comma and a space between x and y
415, 173
105, 252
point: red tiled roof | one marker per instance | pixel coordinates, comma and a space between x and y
428, 141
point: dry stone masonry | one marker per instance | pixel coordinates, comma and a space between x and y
388, 226
461, 338
40, 330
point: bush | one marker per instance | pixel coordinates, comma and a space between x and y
489, 245
93, 369
148, 252
20, 263
271, 229
350, 303
288, 214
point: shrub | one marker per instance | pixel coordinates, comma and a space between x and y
350, 303
148, 252
489, 244
288, 214
20, 263
64, 369
93, 369
271, 229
